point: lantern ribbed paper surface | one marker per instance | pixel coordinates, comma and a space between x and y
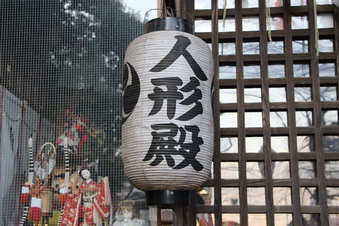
167, 131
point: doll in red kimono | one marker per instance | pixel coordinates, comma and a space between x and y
89, 202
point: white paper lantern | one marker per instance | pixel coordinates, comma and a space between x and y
168, 129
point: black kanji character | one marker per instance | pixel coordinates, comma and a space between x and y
179, 49
171, 95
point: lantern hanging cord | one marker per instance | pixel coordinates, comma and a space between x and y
268, 19
316, 31
224, 14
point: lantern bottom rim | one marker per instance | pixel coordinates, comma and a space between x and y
167, 197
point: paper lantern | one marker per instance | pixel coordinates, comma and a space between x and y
167, 131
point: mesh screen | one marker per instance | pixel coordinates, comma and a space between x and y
61, 80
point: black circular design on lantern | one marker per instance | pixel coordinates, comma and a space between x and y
130, 90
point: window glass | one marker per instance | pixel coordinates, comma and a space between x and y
229, 170
229, 145
228, 95
308, 196
282, 196
277, 94
307, 169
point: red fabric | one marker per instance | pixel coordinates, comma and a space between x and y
99, 201
62, 198
35, 213
74, 209
25, 198
71, 210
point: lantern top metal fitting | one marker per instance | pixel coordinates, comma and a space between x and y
168, 23
167, 197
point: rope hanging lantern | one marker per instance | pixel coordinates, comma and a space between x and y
167, 131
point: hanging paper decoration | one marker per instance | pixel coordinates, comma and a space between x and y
24, 195
167, 131
35, 211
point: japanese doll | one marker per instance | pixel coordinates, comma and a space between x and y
91, 203
125, 215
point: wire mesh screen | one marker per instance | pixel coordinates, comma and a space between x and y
61, 67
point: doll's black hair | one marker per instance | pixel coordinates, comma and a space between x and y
94, 175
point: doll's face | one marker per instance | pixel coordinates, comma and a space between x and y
86, 174
127, 214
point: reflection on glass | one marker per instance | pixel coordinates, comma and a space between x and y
202, 26
325, 20
230, 196
301, 70
282, 196
228, 120
252, 95
330, 118
252, 71
332, 170
308, 196
229, 145
299, 22
251, 48
332, 196
230, 4
306, 169
302, 94
305, 143
298, 2
277, 23
277, 94
255, 170
304, 118
328, 93
205, 196
230, 219
228, 95
229, 170
326, 45
210, 46
327, 69
300, 46
278, 119
205, 218
311, 219
323, 2
282, 219
250, 4
250, 24
331, 143
199, 4
227, 72
256, 219
279, 144
253, 144
226, 48
333, 219
276, 71
275, 47
229, 25
253, 119
280, 169
256, 196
